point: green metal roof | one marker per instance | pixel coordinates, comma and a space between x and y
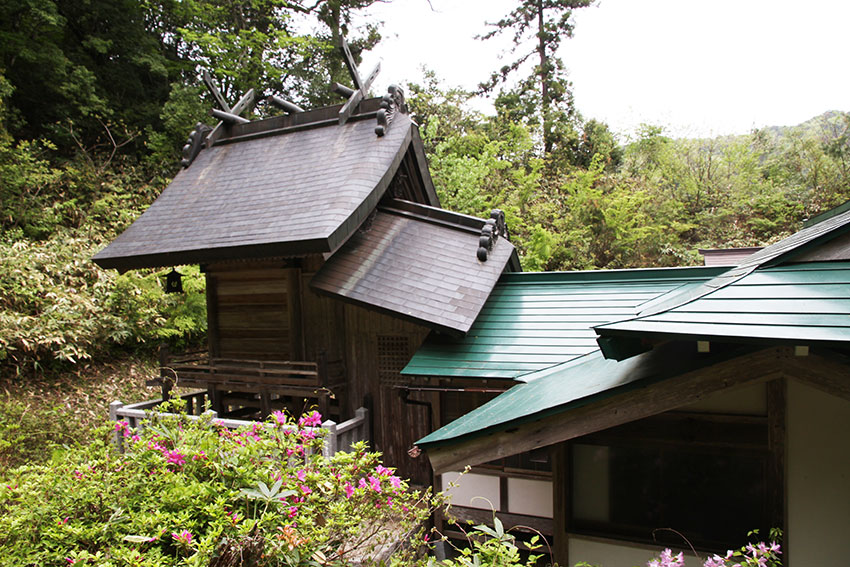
570, 385
802, 303
536, 320
781, 252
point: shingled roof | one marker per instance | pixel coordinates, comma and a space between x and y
285, 186
420, 263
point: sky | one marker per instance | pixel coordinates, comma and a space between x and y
695, 67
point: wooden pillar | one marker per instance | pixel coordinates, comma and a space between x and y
560, 497
777, 497
212, 315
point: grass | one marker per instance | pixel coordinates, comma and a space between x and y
38, 414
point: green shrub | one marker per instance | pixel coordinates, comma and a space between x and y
58, 306
193, 493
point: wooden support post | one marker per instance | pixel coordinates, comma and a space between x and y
560, 497
776, 409
363, 413
166, 374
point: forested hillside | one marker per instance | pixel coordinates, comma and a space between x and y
97, 97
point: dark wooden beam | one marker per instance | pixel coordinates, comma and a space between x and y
342, 89
616, 410
348, 58
289, 107
228, 117
361, 87
825, 371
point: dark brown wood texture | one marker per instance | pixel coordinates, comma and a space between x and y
254, 312
373, 375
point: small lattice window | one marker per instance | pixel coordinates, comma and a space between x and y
393, 355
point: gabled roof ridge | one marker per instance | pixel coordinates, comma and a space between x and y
433, 215
626, 275
322, 117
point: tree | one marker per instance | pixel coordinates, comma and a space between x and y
544, 98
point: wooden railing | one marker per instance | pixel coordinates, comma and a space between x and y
339, 437
232, 379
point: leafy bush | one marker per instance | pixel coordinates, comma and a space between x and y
194, 493
56, 305
494, 547
29, 435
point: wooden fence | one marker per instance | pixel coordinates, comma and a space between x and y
339, 437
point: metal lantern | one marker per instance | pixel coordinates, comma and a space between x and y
174, 282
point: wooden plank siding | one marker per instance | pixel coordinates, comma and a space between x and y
373, 372
254, 314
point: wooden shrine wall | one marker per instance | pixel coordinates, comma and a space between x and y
253, 312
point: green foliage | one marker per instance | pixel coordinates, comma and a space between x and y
491, 547
30, 435
57, 306
193, 493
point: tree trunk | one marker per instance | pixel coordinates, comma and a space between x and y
544, 78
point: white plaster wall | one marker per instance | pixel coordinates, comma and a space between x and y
607, 554
473, 490
532, 497
818, 477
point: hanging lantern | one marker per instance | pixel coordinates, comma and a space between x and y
174, 282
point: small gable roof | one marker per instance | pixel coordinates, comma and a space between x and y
798, 303
768, 297
419, 263
285, 186
535, 320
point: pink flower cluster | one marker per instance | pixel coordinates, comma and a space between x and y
757, 556
182, 538
313, 419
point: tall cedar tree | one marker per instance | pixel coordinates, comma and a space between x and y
548, 22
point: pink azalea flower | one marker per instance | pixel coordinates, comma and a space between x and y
292, 511
314, 419
306, 490
383, 471
349, 490
395, 482
302, 475
374, 483
175, 458
279, 418
182, 538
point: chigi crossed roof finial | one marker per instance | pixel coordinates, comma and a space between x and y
203, 135
361, 87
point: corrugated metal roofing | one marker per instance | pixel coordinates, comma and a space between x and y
536, 320
568, 386
300, 192
793, 302
423, 269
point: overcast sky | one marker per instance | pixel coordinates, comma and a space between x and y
693, 66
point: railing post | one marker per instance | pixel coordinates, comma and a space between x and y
330, 448
363, 413
166, 374
118, 439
